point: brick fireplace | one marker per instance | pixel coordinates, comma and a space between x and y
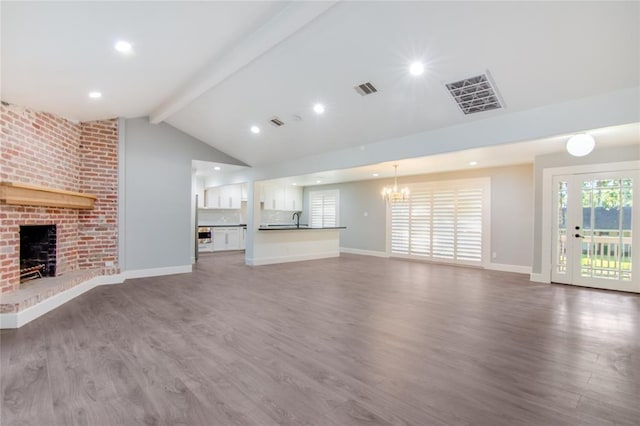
50, 151
37, 251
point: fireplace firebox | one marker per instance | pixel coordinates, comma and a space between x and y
37, 251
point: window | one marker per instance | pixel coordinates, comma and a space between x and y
443, 221
323, 208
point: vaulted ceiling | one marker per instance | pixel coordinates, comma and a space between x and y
214, 69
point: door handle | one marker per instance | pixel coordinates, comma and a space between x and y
579, 236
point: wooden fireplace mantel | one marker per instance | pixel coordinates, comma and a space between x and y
22, 194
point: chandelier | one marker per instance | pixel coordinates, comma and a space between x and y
392, 194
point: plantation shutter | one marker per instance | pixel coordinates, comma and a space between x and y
469, 225
400, 222
421, 218
323, 208
442, 222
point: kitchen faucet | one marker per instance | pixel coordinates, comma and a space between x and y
296, 215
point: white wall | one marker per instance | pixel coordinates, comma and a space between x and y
511, 211
158, 198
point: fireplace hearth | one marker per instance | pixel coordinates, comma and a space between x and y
37, 251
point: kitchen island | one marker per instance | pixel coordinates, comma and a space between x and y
292, 243
297, 228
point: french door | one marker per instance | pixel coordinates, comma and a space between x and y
595, 229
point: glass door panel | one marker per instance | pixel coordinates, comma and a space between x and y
559, 273
594, 230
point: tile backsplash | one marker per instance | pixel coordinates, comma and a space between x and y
236, 216
275, 217
222, 216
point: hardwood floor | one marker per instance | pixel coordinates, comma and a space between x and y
347, 341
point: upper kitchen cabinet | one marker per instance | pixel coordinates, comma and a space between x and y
243, 192
273, 197
293, 198
224, 197
282, 197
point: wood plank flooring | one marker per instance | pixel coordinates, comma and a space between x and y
354, 340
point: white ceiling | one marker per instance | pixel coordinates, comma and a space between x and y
209, 168
538, 53
494, 156
55, 53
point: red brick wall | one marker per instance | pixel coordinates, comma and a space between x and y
47, 150
98, 228
39, 148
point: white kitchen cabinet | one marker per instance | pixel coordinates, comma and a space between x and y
230, 196
273, 197
212, 198
224, 197
243, 238
293, 198
282, 197
226, 238
233, 238
243, 192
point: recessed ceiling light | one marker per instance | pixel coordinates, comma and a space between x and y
473, 163
294, 184
416, 68
318, 181
216, 168
95, 95
376, 175
123, 46
318, 108
255, 129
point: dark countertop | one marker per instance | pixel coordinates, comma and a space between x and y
295, 228
231, 225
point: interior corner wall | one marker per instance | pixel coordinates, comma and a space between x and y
598, 156
158, 195
48, 150
511, 210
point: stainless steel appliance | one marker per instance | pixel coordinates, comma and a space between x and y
205, 240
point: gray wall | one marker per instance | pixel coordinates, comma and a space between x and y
511, 211
157, 191
363, 232
610, 155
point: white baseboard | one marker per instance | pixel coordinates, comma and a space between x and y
155, 272
539, 278
508, 268
285, 259
20, 318
364, 252
25, 316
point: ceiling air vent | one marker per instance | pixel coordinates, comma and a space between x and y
276, 122
365, 89
475, 94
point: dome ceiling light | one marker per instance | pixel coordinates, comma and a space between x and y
580, 145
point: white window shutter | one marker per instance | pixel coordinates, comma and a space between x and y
400, 222
441, 221
324, 208
443, 224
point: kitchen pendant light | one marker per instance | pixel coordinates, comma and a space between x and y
391, 194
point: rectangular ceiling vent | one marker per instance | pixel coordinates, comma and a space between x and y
475, 94
276, 122
365, 89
